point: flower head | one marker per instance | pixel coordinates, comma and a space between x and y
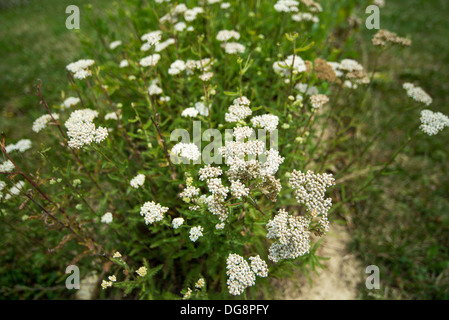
152, 212
195, 233
142, 271
107, 218
41, 122
240, 275
189, 151
433, 122
137, 181
82, 130
177, 222
80, 68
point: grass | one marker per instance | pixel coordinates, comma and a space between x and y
34, 44
403, 227
35, 47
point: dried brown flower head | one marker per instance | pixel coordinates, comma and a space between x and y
359, 75
384, 37
324, 71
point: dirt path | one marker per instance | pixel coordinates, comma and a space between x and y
339, 279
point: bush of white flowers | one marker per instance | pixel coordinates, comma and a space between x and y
243, 199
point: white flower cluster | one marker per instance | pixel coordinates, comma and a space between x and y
2, 186
142, 271
180, 26
21, 146
241, 156
106, 284
209, 172
312, 6
241, 275
151, 39
41, 122
152, 212
189, 151
230, 47
216, 187
226, 35
203, 65
164, 44
13, 191
137, 181
379, 3
70, 102
190, 112
200, 283
225, 5
177, 67
239, 110
114, 44
181, 9
268, 122
80, 68
286, 6
82, 130
433, 122
238, 189
351, 71
112, 116
305, 90
215, 205
124, 63
191, 14
233, 47
154, 89
206, 76
187, 294
292, 63
202, 109
241, 133
150, 61
7, 166
177, 222
271, 165
310, 191
305, 16
292, 236
195, 233
190, 192
259, 266
237, 149
417, 93
350, 65
318, 100
107, 218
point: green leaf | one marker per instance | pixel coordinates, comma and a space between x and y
305, 48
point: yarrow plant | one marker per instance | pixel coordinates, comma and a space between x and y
245, 195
